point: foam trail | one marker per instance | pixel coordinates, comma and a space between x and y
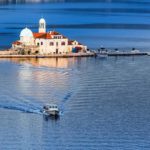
22, 108
66, 98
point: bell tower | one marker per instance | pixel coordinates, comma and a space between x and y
42, 26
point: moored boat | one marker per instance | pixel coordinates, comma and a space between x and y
102, 54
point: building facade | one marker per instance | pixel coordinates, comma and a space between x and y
43, 42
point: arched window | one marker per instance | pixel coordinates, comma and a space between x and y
41, 43
38, 44
42, 25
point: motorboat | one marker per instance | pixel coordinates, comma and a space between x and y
102, 54
135, 51
51, 110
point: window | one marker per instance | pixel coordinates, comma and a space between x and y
57, 37
38, 44
41, 43
42, 25
56, 43
51, 44
63, 43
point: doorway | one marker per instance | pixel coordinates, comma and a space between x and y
56, 51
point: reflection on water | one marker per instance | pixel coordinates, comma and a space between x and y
48, 118
44, 62
33, 73
104, 103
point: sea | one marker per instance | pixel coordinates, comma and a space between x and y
104, 103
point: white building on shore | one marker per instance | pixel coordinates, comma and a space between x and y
43, 42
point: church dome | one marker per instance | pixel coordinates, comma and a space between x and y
26, 33
42, 20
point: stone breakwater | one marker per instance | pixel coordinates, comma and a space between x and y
13, 54
7, 55
5, 52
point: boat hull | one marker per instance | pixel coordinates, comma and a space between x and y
51, 113
102, 55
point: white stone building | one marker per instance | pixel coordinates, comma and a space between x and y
44, 42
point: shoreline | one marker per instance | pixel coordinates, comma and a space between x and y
50, 56
91, 54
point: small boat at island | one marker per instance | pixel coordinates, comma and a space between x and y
102, 54
135, 51
51, 110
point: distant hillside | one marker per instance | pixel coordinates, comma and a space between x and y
47, 1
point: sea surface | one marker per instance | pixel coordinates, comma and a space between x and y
123, 24
104, 103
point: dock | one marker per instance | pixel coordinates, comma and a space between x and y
127, 53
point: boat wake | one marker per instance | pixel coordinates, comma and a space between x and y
30, 107
67, 96
23, 108
63, 102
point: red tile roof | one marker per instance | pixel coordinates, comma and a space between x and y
42, 35
54, 33
46, 35
70, 42
17, 43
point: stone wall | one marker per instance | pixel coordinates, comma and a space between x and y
5, 52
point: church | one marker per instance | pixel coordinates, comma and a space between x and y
44, 42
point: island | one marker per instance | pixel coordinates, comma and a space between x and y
45, 44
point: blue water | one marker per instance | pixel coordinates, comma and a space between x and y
108, 23
104, 102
